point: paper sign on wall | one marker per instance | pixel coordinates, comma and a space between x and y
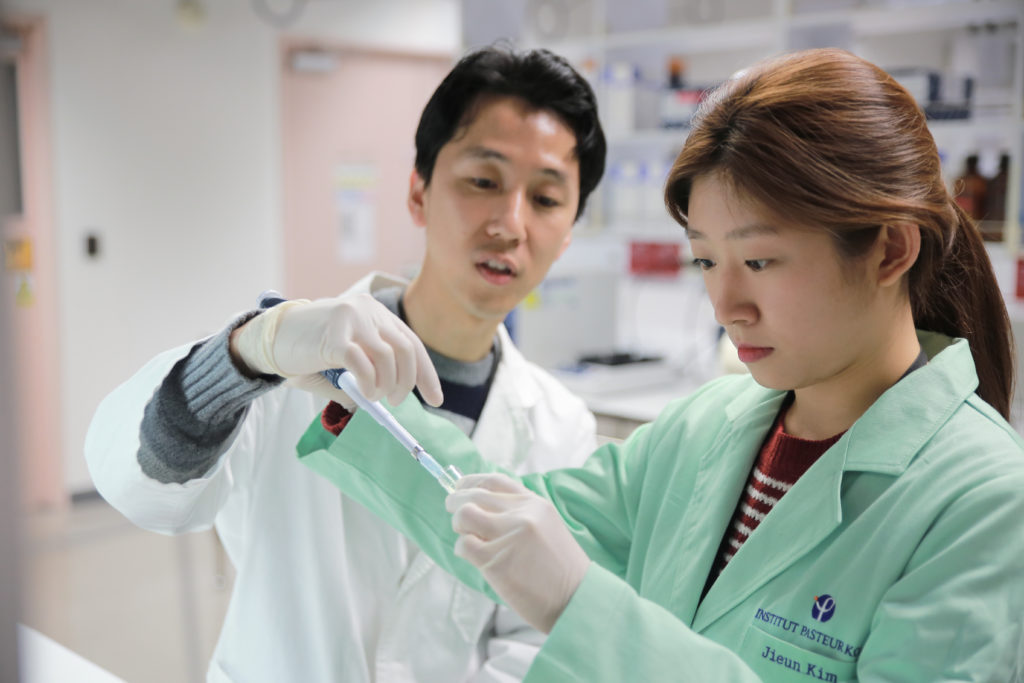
18, 253
355, 186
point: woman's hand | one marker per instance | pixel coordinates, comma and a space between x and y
519, 543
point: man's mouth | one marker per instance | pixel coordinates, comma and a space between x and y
499, 266
496, 271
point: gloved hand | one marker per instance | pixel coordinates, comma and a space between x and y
519, 543
299, 339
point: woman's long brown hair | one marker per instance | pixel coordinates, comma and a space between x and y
833, 141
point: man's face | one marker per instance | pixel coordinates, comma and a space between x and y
499, 208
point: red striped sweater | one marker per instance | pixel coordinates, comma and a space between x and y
782, 460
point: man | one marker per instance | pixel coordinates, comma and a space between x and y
508, 149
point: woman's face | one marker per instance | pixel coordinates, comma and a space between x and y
798, 320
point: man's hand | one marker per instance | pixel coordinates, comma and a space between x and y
519, 543
299, 339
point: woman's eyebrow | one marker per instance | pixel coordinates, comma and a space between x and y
751, 230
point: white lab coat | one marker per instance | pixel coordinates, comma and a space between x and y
325, 591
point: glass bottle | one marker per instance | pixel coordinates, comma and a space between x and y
971, 189
995, 198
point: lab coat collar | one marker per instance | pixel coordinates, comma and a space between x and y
894, 428
885, 439
897, 425
376, 280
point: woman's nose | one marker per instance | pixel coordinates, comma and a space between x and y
731, 301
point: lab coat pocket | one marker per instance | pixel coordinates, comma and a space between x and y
775, 659
470, 612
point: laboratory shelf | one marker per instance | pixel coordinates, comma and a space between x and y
916, 18
714, 39
662, 137
1004, 126
704, 38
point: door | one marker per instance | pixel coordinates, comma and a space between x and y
349, 120
29, 270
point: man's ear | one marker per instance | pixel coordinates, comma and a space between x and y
417, 199
899, 246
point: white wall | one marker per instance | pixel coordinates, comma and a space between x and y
430, 26
166, 144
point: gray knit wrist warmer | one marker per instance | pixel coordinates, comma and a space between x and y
196, 408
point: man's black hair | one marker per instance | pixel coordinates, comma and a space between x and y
541, 78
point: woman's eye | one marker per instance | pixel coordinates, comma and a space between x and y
703, 263
757, 264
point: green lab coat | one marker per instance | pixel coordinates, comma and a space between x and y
898, 556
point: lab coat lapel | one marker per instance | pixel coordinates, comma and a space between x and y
504, 433
719, 482
801, 520
499, 434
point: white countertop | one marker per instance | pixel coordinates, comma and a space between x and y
633, 393
641, 405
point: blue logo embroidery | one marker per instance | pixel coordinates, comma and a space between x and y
823, 609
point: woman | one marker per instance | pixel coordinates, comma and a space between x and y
852, 510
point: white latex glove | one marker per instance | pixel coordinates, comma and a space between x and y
299, 339
519, 543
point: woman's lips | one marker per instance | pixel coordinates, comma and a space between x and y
751, 354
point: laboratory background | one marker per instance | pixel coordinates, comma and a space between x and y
165, 161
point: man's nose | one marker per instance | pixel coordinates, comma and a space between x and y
509, 219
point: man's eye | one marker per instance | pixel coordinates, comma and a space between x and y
547, 202
703, 263
757, 264
483, 183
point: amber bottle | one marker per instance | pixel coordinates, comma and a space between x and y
972, 189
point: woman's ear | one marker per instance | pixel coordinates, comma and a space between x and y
899, 246
417, 200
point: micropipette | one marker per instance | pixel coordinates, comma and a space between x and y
345, 381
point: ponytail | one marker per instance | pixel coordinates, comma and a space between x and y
953, 290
